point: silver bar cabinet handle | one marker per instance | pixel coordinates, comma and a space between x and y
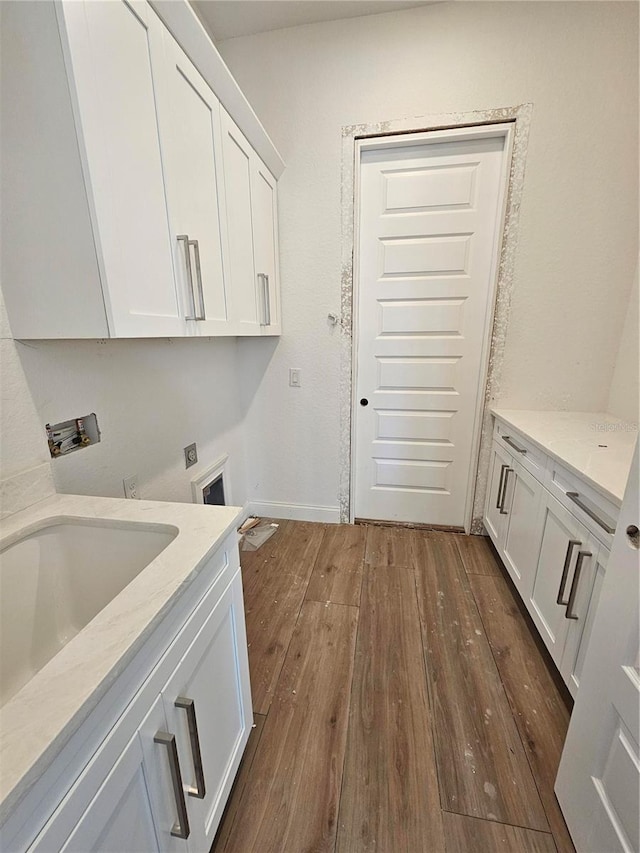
499, 497
184, 238
189, 706
578, 501
201, 315
503, 511
570, 614
180, 828
565, 570
260, 278
267, 301
263, 278
512, 443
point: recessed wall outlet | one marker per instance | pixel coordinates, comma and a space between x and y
295, 377
190, 455
131, 487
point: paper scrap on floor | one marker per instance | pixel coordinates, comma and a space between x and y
257, 536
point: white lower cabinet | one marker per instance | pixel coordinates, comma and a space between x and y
510, 517
556, 563
207, 703
522, 494
495, 518
566, 589
587, 589
122, 815
161, 778
561, 543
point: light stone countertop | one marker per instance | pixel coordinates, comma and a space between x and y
37, 722
575, 440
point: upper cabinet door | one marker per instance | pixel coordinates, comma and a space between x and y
114, 100
238, 161
265, 245
189, 114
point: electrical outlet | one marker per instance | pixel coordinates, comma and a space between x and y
190, 455
131, 487
295, 377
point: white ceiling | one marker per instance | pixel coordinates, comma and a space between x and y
230, 18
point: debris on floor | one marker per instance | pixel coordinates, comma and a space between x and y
255, 533
248, 523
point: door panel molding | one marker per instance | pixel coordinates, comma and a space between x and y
434, 128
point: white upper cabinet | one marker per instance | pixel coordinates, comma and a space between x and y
241, 267
251, 202
189, 115
264, 196
112, 54
128, 210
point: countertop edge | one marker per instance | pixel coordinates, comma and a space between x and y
499, 415
24, 783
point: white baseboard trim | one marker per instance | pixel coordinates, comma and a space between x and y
296, 512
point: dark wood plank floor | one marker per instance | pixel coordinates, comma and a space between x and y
402, 704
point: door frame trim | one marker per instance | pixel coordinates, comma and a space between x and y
471, 125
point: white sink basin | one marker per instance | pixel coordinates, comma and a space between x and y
56, 577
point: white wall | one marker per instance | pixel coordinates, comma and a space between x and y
22, 442
151, 397
577, 63
623, 398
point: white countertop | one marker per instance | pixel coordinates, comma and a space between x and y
596, 446
37, 722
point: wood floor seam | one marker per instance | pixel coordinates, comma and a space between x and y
514, 712
428, 681
546, 793
499, 822
346, 746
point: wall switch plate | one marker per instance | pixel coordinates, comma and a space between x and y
190, 455
131, 487
295, 377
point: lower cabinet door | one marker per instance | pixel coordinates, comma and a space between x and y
562, 548
133, 809
584, 594
120, 817
522, 538
124, 804
207, 702
495, 515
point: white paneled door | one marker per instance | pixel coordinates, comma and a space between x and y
427, 246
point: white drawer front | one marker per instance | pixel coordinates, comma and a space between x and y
527, 454
597, 514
